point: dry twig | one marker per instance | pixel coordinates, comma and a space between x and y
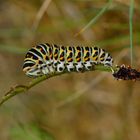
40, 13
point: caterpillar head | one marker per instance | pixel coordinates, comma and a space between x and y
31, 69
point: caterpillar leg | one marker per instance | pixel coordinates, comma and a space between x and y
79, 67
70, 66
88, 65
44, 69
61, 67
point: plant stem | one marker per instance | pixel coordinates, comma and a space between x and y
23, 88
131, 29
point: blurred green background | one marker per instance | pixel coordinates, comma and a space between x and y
87, 106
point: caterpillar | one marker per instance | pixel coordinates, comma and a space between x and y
48, 58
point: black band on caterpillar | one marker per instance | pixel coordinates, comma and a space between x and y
47, 58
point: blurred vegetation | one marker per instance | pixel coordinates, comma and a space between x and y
73, 106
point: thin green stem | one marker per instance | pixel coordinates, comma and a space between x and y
131, 29
103, 10
24, 88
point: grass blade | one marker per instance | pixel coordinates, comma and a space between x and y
95, 18
131, 29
